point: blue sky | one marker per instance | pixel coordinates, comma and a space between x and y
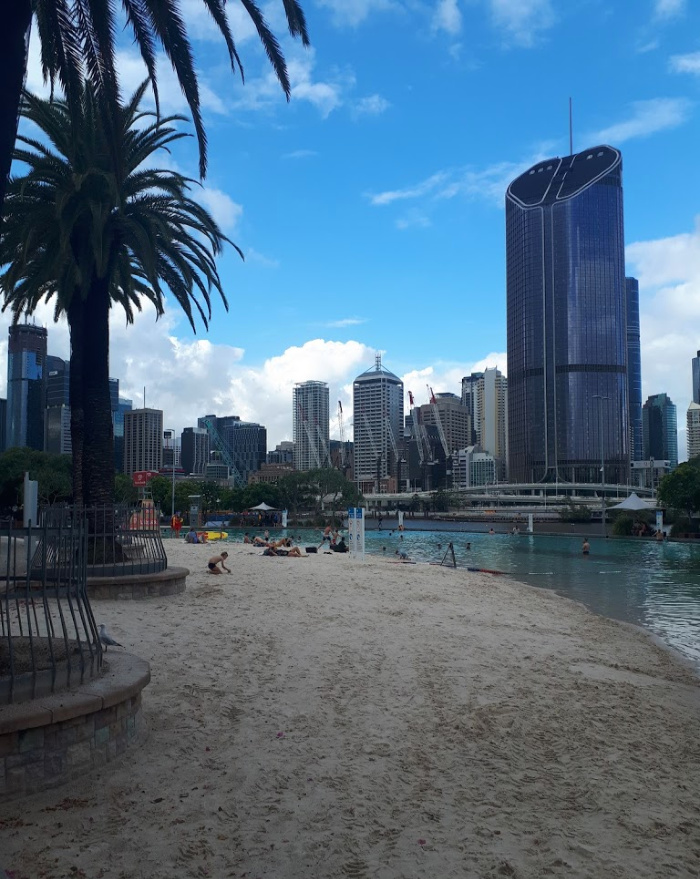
370, 208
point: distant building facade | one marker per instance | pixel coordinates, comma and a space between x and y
143, 440
472, 466
241, 445
57, 435
26, 386
194, 450
377, 428
693, 430
696, 378
123, 405
452, 416
283, 453
634, 370
660, 429
310, 425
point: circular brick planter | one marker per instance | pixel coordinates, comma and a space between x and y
46, 742
171, 581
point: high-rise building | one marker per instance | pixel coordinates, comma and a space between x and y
454, 420
123, 405
194, 450
566, 319
634, 369
57, 438
492, 408
693, 435
240, 445
470, 400
143, 440
26, 386
377, 428
660, 429
283, 453
310, 421
696, 378
3, 424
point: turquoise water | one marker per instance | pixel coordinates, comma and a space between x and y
654, 585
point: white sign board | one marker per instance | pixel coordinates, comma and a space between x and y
356, 531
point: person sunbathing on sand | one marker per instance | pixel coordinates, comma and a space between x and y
217, 560
293, 553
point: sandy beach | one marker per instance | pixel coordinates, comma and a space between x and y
323, 717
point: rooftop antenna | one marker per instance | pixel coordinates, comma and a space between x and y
571, 129
378, 362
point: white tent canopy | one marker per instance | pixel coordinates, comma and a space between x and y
263, 507
633, 502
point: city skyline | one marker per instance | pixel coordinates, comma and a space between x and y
371, 211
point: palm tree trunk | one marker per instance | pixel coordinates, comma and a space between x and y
76, 323
98, 446
14, 43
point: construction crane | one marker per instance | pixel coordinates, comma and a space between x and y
438, 422
312, 445
416, 430
322, 440
223, 450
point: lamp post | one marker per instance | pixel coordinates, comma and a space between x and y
600, 398
169, 433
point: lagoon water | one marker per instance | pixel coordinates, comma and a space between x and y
654, 585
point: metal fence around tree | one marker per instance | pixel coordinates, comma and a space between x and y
48, 636
124, 540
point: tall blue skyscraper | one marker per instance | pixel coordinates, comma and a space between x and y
634, 369
26, 386
660, 429
566, 319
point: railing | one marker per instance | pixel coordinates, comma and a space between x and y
124, 540
49, 638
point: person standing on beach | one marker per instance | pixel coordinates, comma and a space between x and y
326, 536
176, 524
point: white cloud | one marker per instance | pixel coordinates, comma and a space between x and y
347, 322
221, 206
489, 183
300, 154
669, 8
689, 63
668, 270
647, 117
326, 95
444, 377
447, 17
522, 20
426, 187
372, 105
353, 12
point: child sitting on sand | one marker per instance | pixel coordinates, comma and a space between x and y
217, 560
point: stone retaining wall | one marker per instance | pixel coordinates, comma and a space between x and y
171, 581
47, 742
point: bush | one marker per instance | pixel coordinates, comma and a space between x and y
623, 526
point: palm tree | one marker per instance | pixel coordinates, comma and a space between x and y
77, 39
90, 237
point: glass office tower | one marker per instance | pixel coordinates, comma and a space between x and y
26, 386
566, 319
634, 370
